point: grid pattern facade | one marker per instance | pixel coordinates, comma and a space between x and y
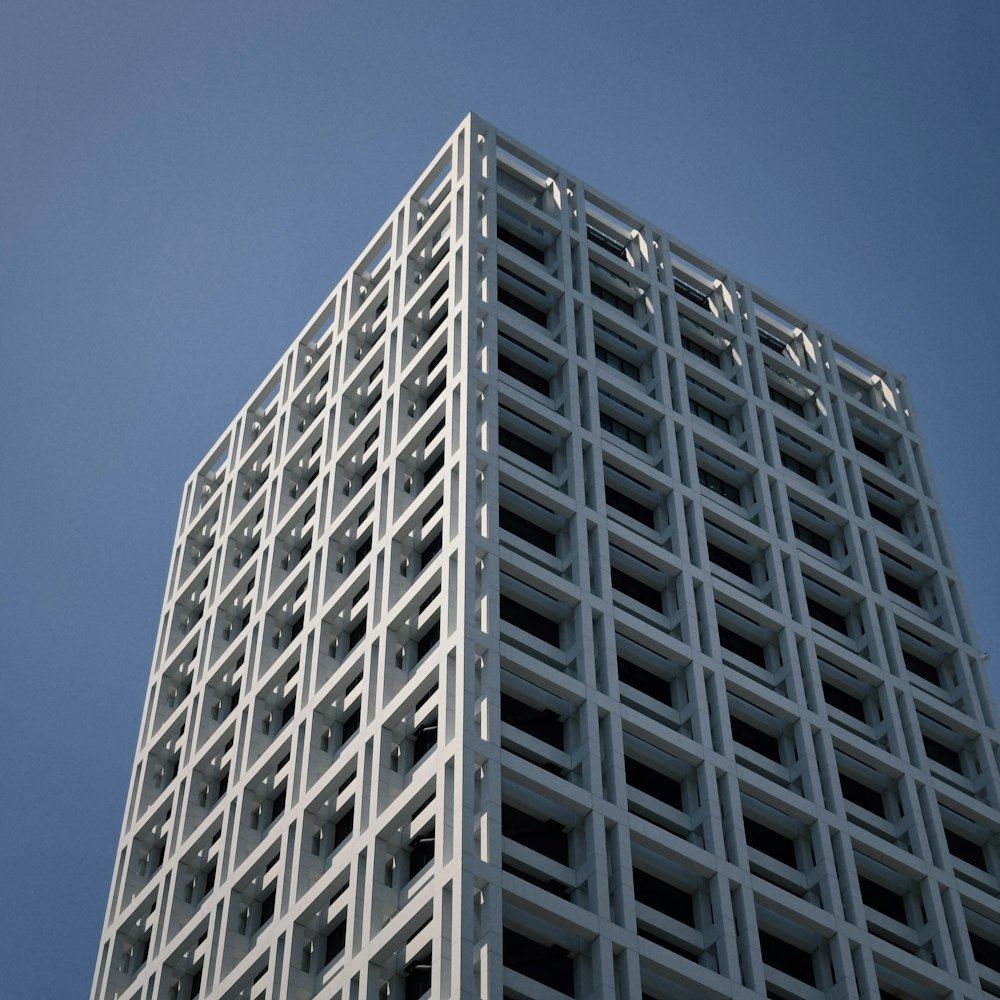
562, 617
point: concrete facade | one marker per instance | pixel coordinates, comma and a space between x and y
562, 617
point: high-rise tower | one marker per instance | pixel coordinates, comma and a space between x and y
562, 617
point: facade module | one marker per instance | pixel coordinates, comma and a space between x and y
562, 618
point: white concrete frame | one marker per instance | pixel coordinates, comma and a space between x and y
699, 714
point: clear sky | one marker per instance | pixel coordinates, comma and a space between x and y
182, 183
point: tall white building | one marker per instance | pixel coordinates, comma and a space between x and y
562, 617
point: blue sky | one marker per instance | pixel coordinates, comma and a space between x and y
183, 183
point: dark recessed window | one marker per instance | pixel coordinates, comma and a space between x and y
616, 301
866, 448
724, 559
629, 506
430, 550
527, 530
336, 941
986, 952
944, 755
357, 633
837, 698
433, 467
652, 685
812, 538
883, 899
515, 302
421, 852
788, 402
667, 899
543, 835
424, 739
751, 737
720, 486
709, 415
780, 954
639, 591
542, 723
428, 640
267, 907
547, 964
624, 431
742, 646
799, 468
926, 671
903, 589
692, 294
827, 616
606, 242
861, 795
771, 342
523, 374
350, 725
767, 841
885, 516
700, 351
520, 243
616, 362
529, 620
526, 449
344, 827
966, 850
660, 786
